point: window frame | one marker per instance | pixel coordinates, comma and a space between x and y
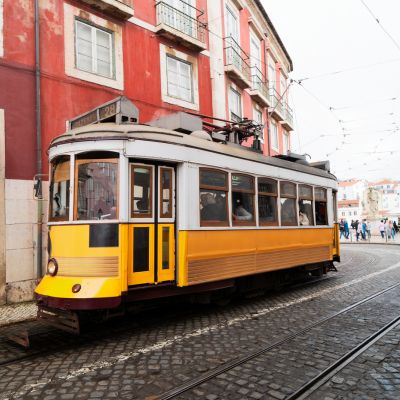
252, 222
180, 61
170, 215
132, 215
285, 196
216, 188
269, 194
50, 208
237, 93
321, 201
79, 162
93, 28
311, 198
274, 134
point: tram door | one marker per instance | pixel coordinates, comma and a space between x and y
151, 254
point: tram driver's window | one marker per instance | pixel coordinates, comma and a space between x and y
321, 211
267, 201
213, 197
59, 189
288, 204
141, 191
97, 189
243, 199
306, 209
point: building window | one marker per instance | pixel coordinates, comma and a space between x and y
94, 49
306, 213
213, 197
288, 203
271, 72
321, 212
274, 136
235, 105
243, 199
257, 115
179, 78
267, 201
285, 137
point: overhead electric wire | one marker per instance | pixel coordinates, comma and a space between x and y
381, 26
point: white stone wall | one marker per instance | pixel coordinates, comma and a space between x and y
21, 239
2, 212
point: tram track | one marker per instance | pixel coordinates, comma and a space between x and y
92, 336
230, 365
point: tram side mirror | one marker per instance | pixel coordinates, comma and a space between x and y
37, 189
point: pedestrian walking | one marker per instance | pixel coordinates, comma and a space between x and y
364, 229
388, 229
391, 230
346, 229
341, 228
369, 229
358, 230
396, 227
382, 229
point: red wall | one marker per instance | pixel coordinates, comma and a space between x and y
65, 97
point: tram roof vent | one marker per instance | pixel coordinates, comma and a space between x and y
293, 157
120, 110
179, 122
324, 165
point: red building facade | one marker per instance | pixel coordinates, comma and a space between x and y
220, 58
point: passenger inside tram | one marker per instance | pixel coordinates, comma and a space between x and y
241, 213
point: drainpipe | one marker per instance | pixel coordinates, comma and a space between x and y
39, 255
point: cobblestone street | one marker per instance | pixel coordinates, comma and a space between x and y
149, 356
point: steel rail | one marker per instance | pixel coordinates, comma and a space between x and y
192, 383
314, 384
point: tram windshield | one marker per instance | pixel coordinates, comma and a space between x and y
96, 189
59, 189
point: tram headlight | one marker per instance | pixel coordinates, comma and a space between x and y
52, 267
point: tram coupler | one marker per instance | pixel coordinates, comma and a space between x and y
65, 320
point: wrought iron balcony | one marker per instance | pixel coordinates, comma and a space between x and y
287, 123
117, 8
184, 25
259, 87
236, 65
277, 110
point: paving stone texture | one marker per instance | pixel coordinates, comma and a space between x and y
160, 351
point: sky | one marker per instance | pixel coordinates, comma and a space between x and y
351, 118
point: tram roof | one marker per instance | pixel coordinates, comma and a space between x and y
112, 131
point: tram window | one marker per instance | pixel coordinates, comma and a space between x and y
142, 198
267, 201
213, 197
321, 212
288, 204
243, 199
59, 189
166, 193
306, 212
96, 189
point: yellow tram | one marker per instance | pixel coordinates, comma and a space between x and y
139, 212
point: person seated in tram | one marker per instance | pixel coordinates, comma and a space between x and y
209, 209
303, 218
241, 214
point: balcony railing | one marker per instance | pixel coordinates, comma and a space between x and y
237, 58
259, 83
276, 102
186, 21
289, 115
